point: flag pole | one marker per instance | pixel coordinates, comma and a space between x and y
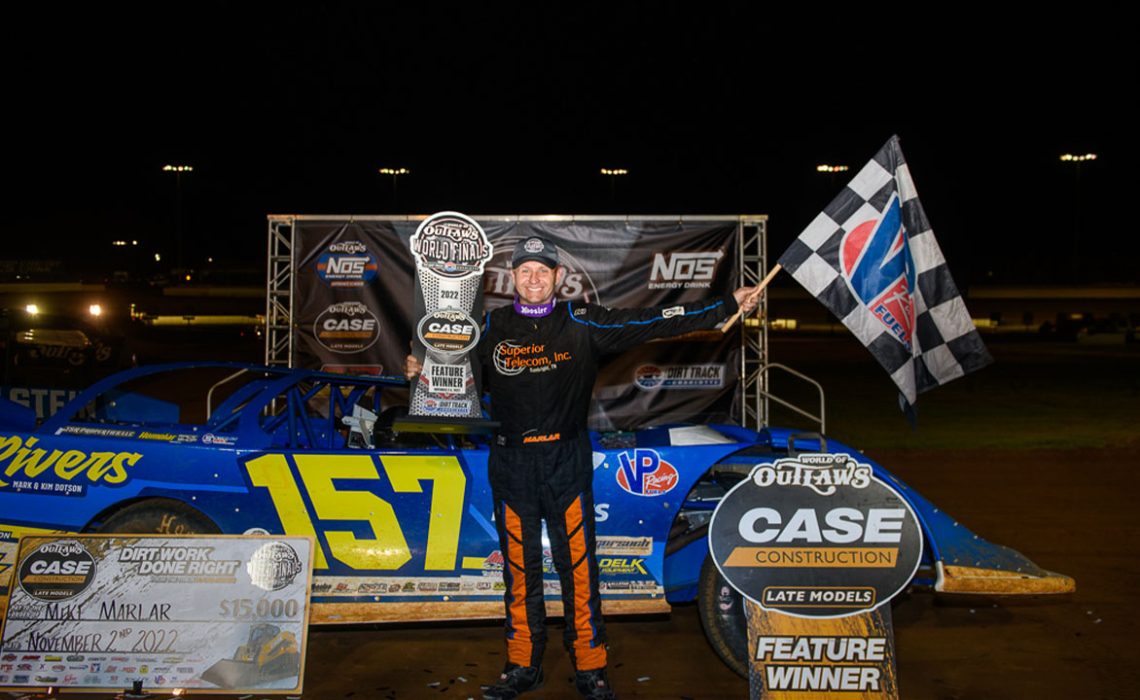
753, 297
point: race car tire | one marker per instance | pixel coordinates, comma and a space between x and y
159, 516
721, 611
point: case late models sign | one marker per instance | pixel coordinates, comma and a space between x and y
815, 536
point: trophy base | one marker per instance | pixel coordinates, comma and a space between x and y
451, 425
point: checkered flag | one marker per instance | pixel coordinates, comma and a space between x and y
871, 258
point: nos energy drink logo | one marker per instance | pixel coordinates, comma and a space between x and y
878, 266
346, 264
644, 473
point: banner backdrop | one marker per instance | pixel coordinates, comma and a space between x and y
353, 303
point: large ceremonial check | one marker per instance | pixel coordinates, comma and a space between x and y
212, 614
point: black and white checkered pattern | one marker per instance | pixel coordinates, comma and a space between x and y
946, 345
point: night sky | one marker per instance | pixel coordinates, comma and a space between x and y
292, 109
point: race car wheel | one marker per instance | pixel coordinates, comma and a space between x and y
159, 516
722, 615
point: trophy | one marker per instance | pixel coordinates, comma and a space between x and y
450, 251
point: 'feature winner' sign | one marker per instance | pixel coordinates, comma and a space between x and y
820, 545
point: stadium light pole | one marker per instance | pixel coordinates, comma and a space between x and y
178, 170
1077, 161
395, 173
614, 174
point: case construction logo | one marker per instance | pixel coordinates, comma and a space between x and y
347, 327
57, 571
815, 536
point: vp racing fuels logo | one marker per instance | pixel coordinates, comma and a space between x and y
877, 264
346, 264
511, 357
645, 473
684, 269
347, 327
451, 245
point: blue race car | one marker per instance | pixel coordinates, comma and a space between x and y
402, 521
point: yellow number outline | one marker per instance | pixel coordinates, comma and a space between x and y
388, 550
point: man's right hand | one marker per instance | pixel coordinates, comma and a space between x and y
412, 367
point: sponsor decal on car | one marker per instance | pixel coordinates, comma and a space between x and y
38, 462
215, 439
614, 544
157, 437
644, 472
96, 432
612, 566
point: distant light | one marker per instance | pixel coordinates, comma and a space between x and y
831, 168
395, 171
118, 243
1069, 157
209, 260
95, 310
134, 242
33, 309
614, 171
187, 276
157, 257
177, 168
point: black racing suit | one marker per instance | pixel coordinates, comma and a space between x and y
540, 373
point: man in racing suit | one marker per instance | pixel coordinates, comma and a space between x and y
540, 360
